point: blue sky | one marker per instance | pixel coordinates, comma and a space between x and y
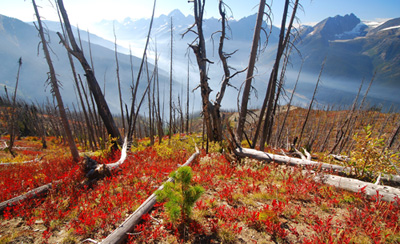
87, 12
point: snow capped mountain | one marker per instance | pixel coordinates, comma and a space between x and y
339, 28
353, 49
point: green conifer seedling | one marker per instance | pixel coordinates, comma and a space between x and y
179, 194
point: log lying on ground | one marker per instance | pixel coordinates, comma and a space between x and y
95, 172
25, 162
252, 153
37, 192
388, 193
120, 234
263, 156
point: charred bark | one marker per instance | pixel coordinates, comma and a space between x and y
55, 89
94, 87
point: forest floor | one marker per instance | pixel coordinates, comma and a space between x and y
244, 202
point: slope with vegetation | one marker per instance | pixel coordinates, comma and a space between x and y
244, 185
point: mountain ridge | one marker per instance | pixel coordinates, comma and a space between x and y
19, 39
354, 50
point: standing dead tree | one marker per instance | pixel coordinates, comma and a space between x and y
13, 121
311, 104
187, 100
94, 87
170, 80
268, 105
119, 81
55, 90
132, 117
250, 70
289, 105
211, 111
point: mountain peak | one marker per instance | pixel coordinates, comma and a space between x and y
340, 27
176, 13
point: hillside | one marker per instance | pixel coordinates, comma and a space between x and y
354, 50
19, 39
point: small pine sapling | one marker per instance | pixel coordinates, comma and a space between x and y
179, 194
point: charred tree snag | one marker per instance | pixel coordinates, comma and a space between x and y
170, 81
250, 70
94, 87
211, 110
199, 49
55, 90
267, 108
14, 113
133, 115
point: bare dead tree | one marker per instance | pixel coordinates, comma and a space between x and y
102, 106
55, 89
170, 79
210, 111
187, 99
91, 137
268, 104
290, 103
250, 70
199, 49
149, 80
311, 103
158, 107
119, 80
14, 113
133, 115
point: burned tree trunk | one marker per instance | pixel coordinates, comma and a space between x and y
55, 90
268, 104
311, 104
14, 113
170, 80
94, 87
250, 70
199, 49
211, 111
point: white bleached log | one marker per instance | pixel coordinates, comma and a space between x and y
388, 193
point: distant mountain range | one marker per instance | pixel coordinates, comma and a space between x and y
19, 39
354, 50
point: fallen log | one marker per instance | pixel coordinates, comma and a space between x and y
387, 193
25, 162
37, 192
263, 156
120, 234
342, 182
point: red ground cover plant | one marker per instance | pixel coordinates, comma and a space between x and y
270, 203
84, 212
243, 203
